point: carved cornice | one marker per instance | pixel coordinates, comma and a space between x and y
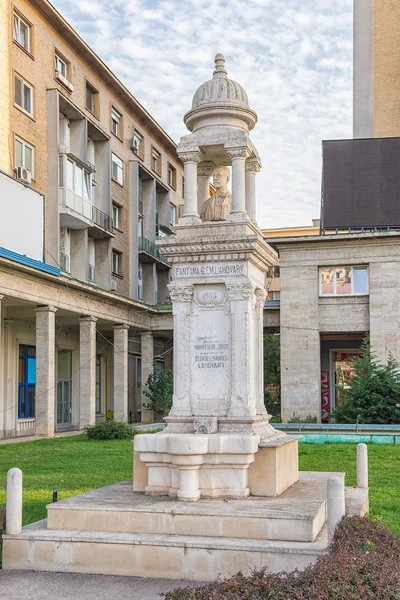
181, 293
194, 156
205, 248
242, 152
240, 291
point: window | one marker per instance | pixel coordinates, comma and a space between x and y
62, 71
116, 124
90, 152
140, 282
157, 214
92, 99
24, 155
156, 161
78, 180
115, 215
116, 262
343, 281
140, 204
117, 172
23, 95
26, 381
172, 176
140, 226
91, 259
183, 187
60, 65
22, 33
138, 143
172, 214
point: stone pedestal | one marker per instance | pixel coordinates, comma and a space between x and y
218, 421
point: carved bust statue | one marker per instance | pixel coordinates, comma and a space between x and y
218, 206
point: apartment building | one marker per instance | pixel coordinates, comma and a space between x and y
93, 180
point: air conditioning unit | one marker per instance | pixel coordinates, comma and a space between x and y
64, 81
23, 174
113, 285
135, 145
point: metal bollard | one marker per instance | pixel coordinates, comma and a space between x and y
14, 502
336, 505
362, 465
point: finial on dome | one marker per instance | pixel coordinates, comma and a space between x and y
220, 64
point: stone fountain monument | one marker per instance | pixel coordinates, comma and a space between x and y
218, 490
218, 441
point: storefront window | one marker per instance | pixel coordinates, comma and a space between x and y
343, 281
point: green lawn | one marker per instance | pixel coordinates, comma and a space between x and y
75, 464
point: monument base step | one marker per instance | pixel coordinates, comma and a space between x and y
194, 558
297, 515
84, 533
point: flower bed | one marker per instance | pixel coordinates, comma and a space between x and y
362, 564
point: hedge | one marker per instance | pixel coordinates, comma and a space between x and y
362, 564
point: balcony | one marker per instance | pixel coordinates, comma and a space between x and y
150, 252
102, 220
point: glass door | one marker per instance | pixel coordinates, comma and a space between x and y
341, 367
64, 389
102, 386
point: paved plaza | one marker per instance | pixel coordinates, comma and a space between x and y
34, 585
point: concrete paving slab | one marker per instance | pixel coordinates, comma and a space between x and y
35, 585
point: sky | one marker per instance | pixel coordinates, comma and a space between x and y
293, 57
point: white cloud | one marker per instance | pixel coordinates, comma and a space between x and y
294, 60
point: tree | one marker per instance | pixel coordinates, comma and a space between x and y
159, 390
272, 374
372, 390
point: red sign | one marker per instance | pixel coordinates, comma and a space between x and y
325, 397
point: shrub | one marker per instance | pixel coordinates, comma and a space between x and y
111, 430
308, 419
372, 392
362, 564
159, 390
272, 374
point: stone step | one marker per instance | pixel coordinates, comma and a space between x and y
195, 558
297, 515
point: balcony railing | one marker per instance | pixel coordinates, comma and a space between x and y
101, 219
64, 262
150, 248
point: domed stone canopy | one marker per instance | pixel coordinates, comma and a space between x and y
220, 98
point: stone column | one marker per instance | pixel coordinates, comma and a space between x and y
190, 161
147, 353
45, 391
238, 157
121, 371
243, 404
204, 172
10, 389
181, 296
252, 168
87, 371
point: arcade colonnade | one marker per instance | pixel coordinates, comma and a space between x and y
69, 358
